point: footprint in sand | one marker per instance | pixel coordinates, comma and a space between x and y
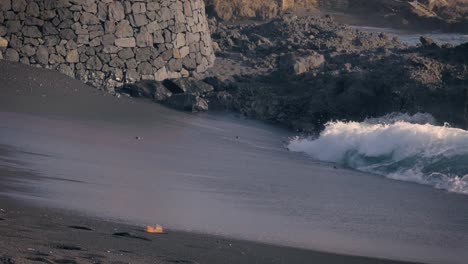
128, 235
68, 247
39, 259
65, 261
6, 260
80, 228
181, 261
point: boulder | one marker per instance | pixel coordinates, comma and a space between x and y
184, 73
221, 83
220, 100
116, 62
32, 21
49, 29
28, 50
427, 42
126, 54
292, 64
215, 47
11, 55
174, 65
33, 10
124, 29
116, 11
140, 20
153, 6
110, 49
13, 26
144, 39
180, 40
161, 93
131, 64
94, 63
25, 60
125, 42
142, 54
138, 8
3, 43
42, 55
148, 89
67, 34
161, 74
5, 5
145, 68
67, 70
184, 51
32, 32
132, 76
89, 19
187, 102
188, 85
18, 5
108, 39
73, 56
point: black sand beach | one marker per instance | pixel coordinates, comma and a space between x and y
162, 131
33, 233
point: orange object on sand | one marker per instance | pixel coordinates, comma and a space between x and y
157, 229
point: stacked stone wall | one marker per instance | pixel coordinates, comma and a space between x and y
107, 43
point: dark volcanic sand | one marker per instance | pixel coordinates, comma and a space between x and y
37, 234
33, 234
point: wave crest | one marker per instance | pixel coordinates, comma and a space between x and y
398, 146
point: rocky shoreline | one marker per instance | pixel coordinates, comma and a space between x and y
422, 15
302, 72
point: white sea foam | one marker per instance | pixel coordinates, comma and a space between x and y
398, 146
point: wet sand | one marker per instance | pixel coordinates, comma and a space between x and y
35, 233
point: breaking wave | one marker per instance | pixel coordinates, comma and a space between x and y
398, 146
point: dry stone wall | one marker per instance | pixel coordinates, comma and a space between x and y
107, 43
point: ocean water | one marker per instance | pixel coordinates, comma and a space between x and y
138, 162
219, 174
397, 146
